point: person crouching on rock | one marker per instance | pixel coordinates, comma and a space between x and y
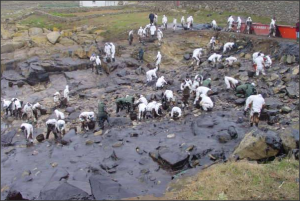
61, 127
102, 115
245, 90
51, 127
231, 83
87, 120
206, 103
256, 103
98, 64
176, 113
28, 132
56, 98
215, 58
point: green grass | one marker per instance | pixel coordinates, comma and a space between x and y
62, 14
276, 180
41, 22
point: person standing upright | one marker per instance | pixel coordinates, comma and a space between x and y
151, 17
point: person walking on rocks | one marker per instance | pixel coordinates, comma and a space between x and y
272, 27
130, 37
151, 17
158, 60
249, 25
107, 50
93, 61
256, 103
214, 25
155, 19
102, 115
140, 34
212, 43
239, 24
165, 22
190, 21
182, 21
66, 93
230, 22
152, 30
159, 36
113, 51
141, 55
174, 24
260, 65
98, 63
27, 129
297, 31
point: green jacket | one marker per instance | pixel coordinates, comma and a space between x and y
129, 99
206, 82
101, 109
246, 90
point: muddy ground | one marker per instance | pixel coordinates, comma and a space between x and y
130, 158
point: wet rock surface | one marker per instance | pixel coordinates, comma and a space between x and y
131, 158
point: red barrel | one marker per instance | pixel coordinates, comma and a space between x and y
287, 31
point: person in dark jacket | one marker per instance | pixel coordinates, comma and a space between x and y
151, 17
297, 30
141, 55
245, 90
102, 115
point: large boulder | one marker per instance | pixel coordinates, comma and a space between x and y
104, 188
291, 92
53, 37
170, 159
258, 145
80, 53
35, 74
67, 138
290, 59
63, 191
120, 121
39, 40
7, 138
35, 31
7, 48
66, 42
290, 139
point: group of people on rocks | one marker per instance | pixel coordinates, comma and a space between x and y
198, 88
110, 51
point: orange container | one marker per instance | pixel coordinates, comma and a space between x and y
287, 31
261, 29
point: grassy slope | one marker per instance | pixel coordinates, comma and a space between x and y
118, 25
243, 180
